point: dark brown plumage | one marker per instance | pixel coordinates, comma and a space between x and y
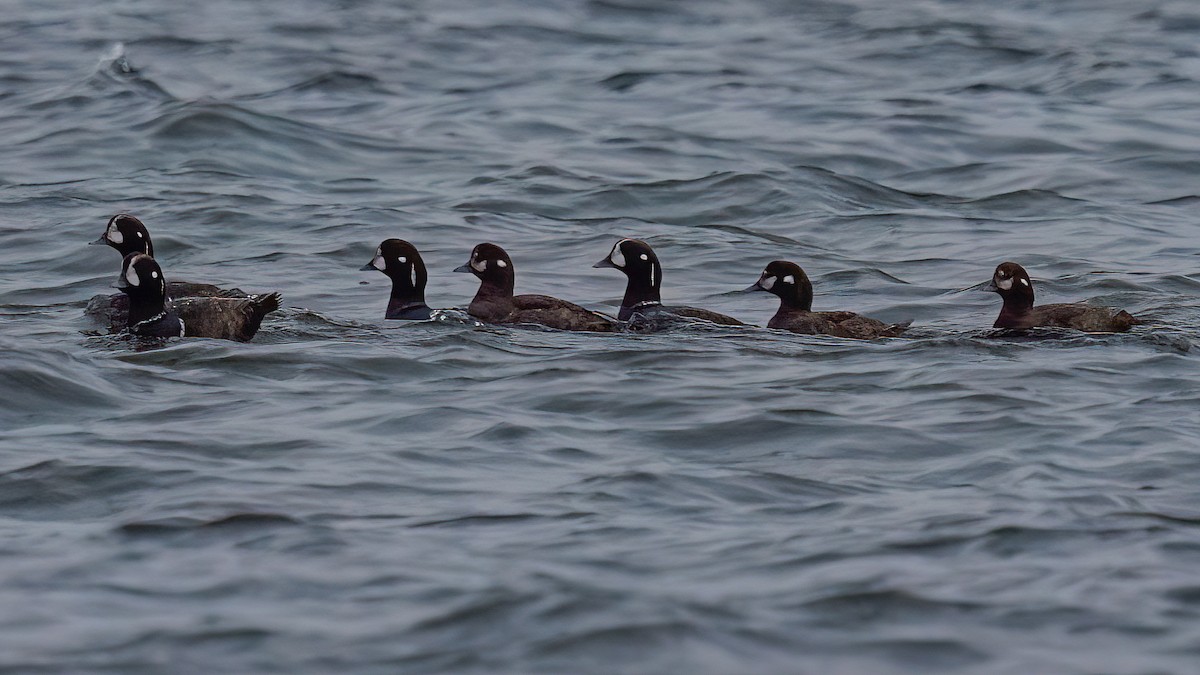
1013, 284
225, 318
126, 234
791, 285
151, 314
495, 302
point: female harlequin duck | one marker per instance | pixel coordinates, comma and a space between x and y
153, 314
495, 302
1012, 282
644, 278
127, 234
402, 263
789, 282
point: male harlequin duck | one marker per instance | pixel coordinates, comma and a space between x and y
1012, 282
637, 260
789, 282
127, 234
402, 263
495, 302
153, 314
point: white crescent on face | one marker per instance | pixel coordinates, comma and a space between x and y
767, 283
378, 262
478, 265
617, 257
131, 276
114, 234
1004, 284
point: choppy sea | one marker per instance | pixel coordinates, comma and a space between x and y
345, 494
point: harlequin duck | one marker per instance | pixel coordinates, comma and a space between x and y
639, 263
789, 282
152, 314
1012, 282
127, 234
495, 302
402, 263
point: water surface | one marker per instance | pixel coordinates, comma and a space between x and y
349, 495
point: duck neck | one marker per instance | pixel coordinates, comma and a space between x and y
641, 292
1015, 313
143, 309
405, 296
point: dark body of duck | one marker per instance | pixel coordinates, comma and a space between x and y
1013, 284
644, 276
153, 314
127, 234
791, 285
495, 302
402, 263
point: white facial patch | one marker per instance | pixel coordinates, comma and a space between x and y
1025, 282
501, 263
767, 283
789, 279
114, 235
644, 257
1004, 284
479, 265
379, 263
131, 277
154, 275
616, 257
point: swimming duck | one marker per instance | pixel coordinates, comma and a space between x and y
644, 277
153, 314
402, 263
1013, 284
127, 234
495, 302
791, 285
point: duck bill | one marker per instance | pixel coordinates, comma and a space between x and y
605, 263
366, 268
753, 288
99, 242
991, 287
465, 267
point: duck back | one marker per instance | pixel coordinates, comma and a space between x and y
224, 318
838, 324
1084, 317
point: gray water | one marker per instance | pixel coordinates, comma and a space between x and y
349, 495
